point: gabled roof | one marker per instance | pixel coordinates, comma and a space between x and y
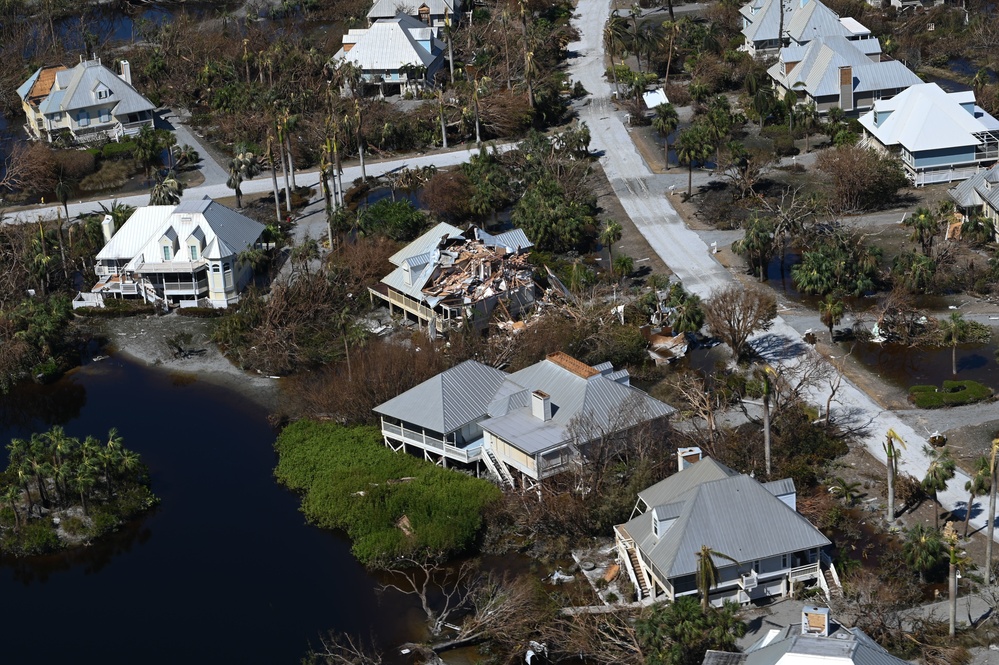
390, 44
577, 391
924, 117
843, 646
446, 402
733, 514
67, 90
226, 232
804, 20
389, 8
425, 243
818, 67
980, 189
471, 391
670, 488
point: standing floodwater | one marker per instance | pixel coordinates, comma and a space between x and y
224, 570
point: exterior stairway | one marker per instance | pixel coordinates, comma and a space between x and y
835, 591
497, 468
637, 567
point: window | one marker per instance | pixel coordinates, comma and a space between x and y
784, 561
194, 252
57, 116
83, 118
105, 115
166, 252
103, 93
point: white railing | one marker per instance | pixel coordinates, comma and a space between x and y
944, 175
185, 287
422, 440
749, 581
804, 572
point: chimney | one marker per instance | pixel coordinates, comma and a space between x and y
815, 620
846, 88
688, 456
126, 72
107, 226
541, 405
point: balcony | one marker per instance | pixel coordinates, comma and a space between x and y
748, 581
422, 440
185, 288
807, 572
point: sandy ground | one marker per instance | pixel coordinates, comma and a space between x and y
144, 340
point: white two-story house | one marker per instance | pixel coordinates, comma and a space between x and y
186, 255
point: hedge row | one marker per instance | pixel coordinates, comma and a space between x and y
952, 393
201, 312
351, 481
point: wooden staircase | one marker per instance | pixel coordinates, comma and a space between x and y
498, 469
639, 575
834, 589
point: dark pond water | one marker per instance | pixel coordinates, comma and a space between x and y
906, 367
225, 570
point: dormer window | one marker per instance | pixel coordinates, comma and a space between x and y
194, 252
103, 93
167, 252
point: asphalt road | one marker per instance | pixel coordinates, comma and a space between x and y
644, 198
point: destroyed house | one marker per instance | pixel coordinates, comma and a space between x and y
449, 277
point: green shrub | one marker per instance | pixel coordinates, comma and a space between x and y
350, 481
119, 150
33, 538
115, 308
952, 393
73, 525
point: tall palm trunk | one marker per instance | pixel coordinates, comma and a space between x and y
287, 182
291, 163
992, 524
890, 509
952, 589
274, 181
766, 428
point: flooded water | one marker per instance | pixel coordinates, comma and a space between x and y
225, 568
905, 366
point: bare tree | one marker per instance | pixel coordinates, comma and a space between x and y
607, 638
343, 649
441, 591
736, 313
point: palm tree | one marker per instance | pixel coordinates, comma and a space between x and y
707, 572
992, 509
922, 549
940, 472
166, 191
623, 265
846, 490
615, 39
665, 122
185, 155
763, 102
893, 454
610, 235
693, 145
242, 167
957, 560
831, 312
979, 485
925, 226
12, 497
63, 190
954, 331
808, 117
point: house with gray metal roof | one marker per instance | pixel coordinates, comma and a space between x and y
448, 277
396, 54
436, 13
938, 136
708, 504
835, 72
817, 639
979, 195
88, 102
804, 20
186, 255
521, 427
